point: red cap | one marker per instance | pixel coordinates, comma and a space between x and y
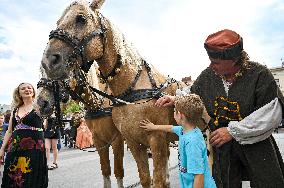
224, 44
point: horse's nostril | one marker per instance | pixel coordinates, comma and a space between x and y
54, 58
45, 104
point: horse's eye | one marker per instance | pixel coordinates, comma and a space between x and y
80, 19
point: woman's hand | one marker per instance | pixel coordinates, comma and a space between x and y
165, 101
147, 125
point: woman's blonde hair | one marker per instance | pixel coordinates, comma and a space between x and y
17, 99
192, 107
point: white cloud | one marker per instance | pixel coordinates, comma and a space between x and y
176, 47
26, 40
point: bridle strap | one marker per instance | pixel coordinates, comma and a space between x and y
78, 45
45, 83
113, 72
56, 95
54, 86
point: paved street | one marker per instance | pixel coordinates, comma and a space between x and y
82, 169
79, 168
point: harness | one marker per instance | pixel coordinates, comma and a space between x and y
78, 53
53, 85
79, 45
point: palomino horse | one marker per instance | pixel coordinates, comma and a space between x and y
84, 35
98, 119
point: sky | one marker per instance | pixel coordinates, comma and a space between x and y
168, 34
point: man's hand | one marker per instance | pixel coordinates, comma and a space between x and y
165, 101
220, 137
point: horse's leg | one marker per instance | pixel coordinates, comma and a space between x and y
168, 169
139, 153
118, 152
160, 151
104, 160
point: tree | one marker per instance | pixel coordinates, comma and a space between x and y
72, 107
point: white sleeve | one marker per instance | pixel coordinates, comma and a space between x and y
259, 125
183, 91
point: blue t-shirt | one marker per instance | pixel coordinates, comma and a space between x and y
192, 158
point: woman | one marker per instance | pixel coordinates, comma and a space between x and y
25, 163
51, 135
84, 138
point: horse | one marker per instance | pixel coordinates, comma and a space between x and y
84, 35
98, 119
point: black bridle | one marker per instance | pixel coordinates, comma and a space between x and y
78, 45
54, 87
82, 87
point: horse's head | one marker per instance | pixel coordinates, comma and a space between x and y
47, 96
77, 41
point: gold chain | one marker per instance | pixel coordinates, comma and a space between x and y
217, 107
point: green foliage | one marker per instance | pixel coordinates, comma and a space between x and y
72, 107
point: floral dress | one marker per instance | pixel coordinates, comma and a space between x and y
25, 163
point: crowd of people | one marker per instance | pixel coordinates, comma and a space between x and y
240, 96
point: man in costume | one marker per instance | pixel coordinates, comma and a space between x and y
245, 106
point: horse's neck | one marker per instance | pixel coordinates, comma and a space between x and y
131, 64
93, 81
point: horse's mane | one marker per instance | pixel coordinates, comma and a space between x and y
123, 47
92, 77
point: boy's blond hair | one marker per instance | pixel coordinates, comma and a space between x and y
192, 107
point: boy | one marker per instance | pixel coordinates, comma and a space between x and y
193, 161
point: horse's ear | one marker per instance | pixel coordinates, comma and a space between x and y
96, 4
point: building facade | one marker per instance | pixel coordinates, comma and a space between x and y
278, 73
4, 108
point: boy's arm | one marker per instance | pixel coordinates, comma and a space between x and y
149, 126
198, 181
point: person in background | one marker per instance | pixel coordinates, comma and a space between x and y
51, 135
245, 105
75, 123
193, 161
84, 138
3, 129
25, 163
